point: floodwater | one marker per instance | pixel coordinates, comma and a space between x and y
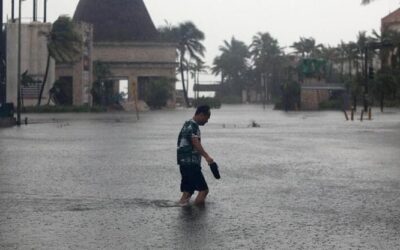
302, 180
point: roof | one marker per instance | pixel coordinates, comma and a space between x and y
117, 20
393, 17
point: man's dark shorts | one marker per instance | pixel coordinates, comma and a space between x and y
192, 179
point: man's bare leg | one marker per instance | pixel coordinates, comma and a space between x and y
185, 198
201, 197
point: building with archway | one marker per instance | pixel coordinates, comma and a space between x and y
121, 35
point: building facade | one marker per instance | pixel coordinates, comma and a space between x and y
77, 78
390, 23
125, 39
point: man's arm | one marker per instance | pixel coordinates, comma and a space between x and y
197, 145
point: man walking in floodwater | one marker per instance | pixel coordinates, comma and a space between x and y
189, 155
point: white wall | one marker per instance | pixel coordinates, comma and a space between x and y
33, 57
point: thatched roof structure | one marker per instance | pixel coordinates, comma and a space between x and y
117, 20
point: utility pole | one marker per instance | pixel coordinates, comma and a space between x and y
2, 59
1, 14
45, 11
34, 10
19, 65
12, 11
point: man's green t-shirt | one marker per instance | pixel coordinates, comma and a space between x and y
186, 153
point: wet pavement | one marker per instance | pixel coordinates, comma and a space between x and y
302, 180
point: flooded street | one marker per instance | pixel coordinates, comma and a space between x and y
302, 180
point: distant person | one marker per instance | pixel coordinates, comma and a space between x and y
189, 155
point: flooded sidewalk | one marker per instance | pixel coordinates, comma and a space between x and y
301, 180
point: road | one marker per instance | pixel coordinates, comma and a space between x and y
302, 180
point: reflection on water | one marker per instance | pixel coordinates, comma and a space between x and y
192, 226
193, 212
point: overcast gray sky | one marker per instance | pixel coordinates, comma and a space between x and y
328, 21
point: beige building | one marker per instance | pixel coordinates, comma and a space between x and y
314, 90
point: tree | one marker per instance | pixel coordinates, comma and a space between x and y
307, 47
266, 55
197, 68
362, 42
158, 92
351, 52
332, 56
386, 85
219, 66
232, 64
341, 48
64, 45
189, 45
290, 95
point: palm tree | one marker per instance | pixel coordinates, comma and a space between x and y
189, 45
233, 65
352, 55
362, 41
64, 44
387, 83
219, 66
307, 47
189, 41
265, 50
332, 56
341, 50
197, 68
266, 55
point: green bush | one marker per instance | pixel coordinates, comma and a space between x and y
210, 101
290, 98
158, 92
